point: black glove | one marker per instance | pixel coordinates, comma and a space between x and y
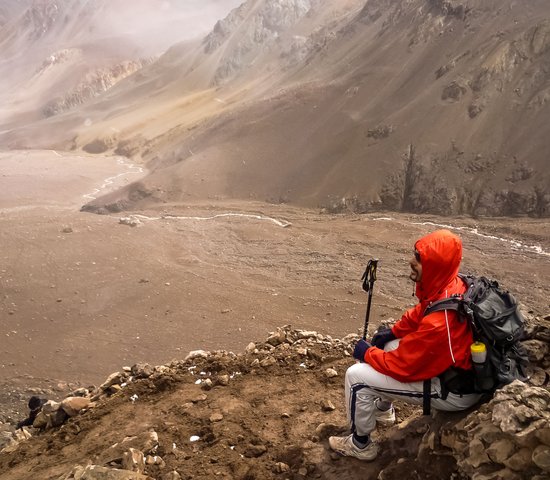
360, 349
382, 337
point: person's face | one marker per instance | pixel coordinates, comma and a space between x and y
416, 268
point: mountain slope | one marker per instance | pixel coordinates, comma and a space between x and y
426, 106
57, 56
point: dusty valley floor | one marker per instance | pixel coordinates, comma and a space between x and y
83, 295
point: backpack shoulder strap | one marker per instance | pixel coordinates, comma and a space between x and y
451, 303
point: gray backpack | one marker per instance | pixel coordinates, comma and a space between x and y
496, 321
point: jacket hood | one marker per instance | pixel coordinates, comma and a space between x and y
440, 256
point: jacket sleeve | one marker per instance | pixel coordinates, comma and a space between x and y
409, 321
421, 354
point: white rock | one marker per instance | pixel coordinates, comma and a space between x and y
197, 354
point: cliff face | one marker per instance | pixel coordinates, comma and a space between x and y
249, 29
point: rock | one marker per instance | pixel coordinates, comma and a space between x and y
171, 476
6, 439
114, 378
201, 397
197, 354
133, 460
543, 435
216, 417
536, 349
455, 440
281, 467
250, 347
501, 450
113, 389
207, 384
142, 370
277, 338
427, 445
56, 418
503, 474
95, 472
80, 392
254, 451
477, 456
51, 406
130, 221
539, 377
520, 461
73, 405
541, 457
517, 406
223, 380
155, 460
331, 373
327, 406
146, 442
40, 421
304, 334
267, 362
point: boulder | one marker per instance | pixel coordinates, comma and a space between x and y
145, 442
74, 405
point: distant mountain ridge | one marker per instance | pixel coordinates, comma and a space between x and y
433, 106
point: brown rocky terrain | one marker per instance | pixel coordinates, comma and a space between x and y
245, 177
267, 413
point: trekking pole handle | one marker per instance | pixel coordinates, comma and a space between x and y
369, 277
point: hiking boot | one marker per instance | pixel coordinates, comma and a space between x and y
385, 417
345, 446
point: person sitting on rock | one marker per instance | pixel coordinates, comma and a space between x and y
403, 363
35, 406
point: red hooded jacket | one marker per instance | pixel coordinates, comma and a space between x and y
429, 344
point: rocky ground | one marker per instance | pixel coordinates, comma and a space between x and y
267, 413
84, 295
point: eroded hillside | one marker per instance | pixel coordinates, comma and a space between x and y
424, 106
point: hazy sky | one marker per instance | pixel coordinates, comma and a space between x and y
125, 27
164, 22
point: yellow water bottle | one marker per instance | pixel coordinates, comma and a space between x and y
479, 352
484, 381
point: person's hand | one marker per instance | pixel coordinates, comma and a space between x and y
382, 337
360, 349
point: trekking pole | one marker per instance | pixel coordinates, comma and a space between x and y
369, 277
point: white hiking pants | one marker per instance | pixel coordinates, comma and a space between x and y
364, 385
